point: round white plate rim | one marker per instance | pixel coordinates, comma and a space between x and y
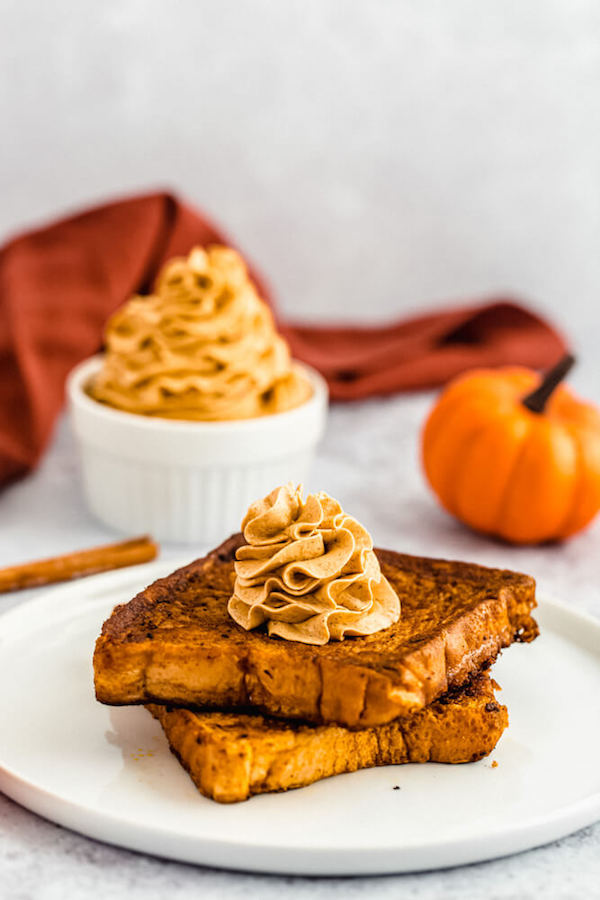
254, 856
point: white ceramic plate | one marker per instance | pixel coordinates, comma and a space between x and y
108, 773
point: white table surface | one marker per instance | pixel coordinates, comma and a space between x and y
369, 461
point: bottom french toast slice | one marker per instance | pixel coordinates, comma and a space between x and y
232, 756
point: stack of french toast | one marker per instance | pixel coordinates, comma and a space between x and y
246, 712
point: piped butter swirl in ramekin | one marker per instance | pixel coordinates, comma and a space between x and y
203, 346
308, 570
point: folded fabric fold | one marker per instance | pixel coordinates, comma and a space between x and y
424, 351
59, 284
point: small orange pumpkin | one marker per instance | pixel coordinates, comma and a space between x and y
513, 457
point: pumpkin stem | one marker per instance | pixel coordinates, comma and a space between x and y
536, 401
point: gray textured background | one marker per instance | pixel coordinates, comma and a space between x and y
373, 157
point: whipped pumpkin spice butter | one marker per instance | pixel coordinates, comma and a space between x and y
203, 346
308, 570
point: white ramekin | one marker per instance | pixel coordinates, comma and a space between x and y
187, 481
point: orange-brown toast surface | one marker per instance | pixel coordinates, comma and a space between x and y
231, 756
175, 643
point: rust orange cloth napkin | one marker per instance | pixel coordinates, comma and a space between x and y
58, 285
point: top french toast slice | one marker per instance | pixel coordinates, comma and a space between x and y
175, 643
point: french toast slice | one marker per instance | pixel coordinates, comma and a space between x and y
175, 643
232, 756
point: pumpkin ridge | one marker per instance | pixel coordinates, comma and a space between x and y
446, 423
503, 505
459, 462
545, 478
574, 522
495, 513
577, 481
452, 400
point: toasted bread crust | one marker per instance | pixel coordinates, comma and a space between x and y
231, 756
175, 643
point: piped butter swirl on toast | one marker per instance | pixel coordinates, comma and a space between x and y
308, 571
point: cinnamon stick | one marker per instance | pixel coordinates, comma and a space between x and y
78, 564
